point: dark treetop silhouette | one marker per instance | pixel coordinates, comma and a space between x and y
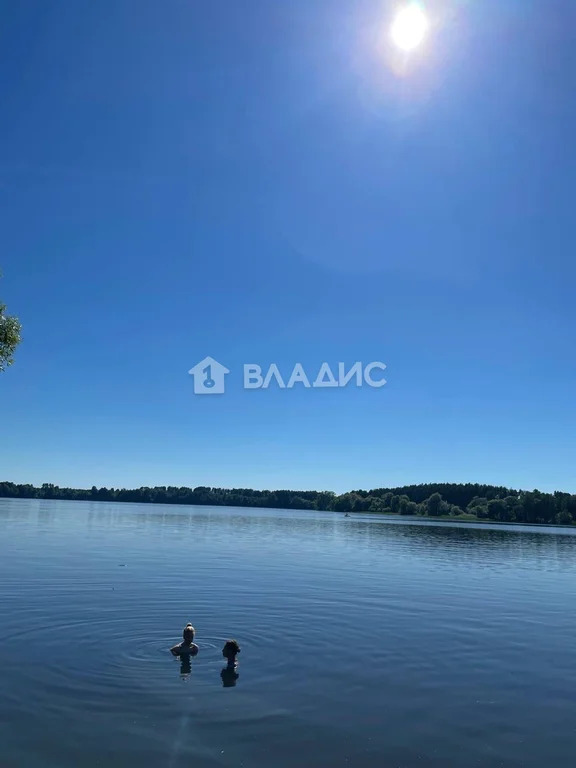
459, 501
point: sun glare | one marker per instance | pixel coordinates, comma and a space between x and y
409, 27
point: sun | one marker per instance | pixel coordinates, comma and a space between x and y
409, 27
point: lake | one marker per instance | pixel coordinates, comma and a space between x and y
365, 641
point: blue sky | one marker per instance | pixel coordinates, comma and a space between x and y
262, 182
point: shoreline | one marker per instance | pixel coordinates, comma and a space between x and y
460, 519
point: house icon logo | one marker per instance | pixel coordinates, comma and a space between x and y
209, 377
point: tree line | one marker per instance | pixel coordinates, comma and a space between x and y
464, 501
9, 337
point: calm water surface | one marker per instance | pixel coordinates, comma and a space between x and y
365, 642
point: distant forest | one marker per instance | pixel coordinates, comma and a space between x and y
469, 501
